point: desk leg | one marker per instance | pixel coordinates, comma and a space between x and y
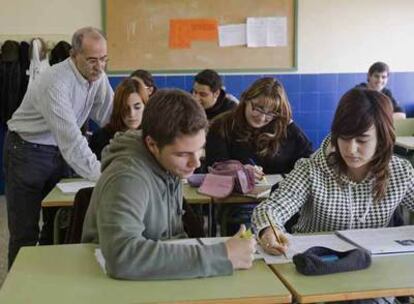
211, 223
61, 222
210, 219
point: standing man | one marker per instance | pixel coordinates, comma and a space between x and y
44, 135
137, 202
207, 90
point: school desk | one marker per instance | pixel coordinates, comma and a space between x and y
406, 142
56, 198
386, 277
70, 274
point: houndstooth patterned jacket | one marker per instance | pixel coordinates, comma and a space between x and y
325, 205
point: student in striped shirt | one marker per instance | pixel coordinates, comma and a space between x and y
44, 135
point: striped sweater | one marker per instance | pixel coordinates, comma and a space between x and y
54, 108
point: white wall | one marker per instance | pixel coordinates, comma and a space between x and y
333, 35
349, 35
49, 19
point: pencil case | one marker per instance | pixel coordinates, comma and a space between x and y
321, 260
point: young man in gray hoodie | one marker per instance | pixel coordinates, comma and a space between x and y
137, 202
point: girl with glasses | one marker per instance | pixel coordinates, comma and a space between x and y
260, 131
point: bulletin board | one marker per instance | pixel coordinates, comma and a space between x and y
138, 33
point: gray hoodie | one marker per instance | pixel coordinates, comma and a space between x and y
135, 205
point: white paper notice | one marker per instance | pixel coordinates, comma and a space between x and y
232, 34
266, 31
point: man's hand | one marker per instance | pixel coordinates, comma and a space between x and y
240, 250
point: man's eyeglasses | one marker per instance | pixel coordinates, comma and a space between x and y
94, 60
257, 110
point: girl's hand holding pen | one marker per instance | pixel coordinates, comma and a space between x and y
270, 244
258, 172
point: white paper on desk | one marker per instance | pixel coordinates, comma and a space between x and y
266, 31
382, 240
100, 259
270, 180
73, 187
232, 34
301, 243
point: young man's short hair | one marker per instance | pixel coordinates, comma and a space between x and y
378, 67
209, 78
171, 113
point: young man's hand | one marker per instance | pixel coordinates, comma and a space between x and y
240, 249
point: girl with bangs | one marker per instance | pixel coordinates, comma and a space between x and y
259, 131
352, 182
130, 99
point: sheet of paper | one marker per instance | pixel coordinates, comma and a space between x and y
382, 240
266, 31
301, 243
232, 35
100, 259
73, 187
277, 31
270, 180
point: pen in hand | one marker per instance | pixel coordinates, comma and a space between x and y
258, 169
277, 236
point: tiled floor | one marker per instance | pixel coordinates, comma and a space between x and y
4, 239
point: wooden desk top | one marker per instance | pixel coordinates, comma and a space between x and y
406, 142
387, 276
70, 274
192, 196
56, 198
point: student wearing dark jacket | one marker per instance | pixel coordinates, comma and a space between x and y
259, 131
129, 101
207, 90
377, 79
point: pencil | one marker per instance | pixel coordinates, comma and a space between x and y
275, 232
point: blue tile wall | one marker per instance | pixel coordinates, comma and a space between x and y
313, 97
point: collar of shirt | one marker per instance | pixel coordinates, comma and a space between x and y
78, 75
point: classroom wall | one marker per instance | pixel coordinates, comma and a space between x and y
333, 35
337, 42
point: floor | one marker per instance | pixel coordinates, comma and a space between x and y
4, 239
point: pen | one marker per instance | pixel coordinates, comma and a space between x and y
275, 232
252, 162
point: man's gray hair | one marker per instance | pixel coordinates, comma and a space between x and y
78, 36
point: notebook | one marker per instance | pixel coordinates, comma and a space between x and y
389, 240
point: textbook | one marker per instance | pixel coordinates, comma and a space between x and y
390, 240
